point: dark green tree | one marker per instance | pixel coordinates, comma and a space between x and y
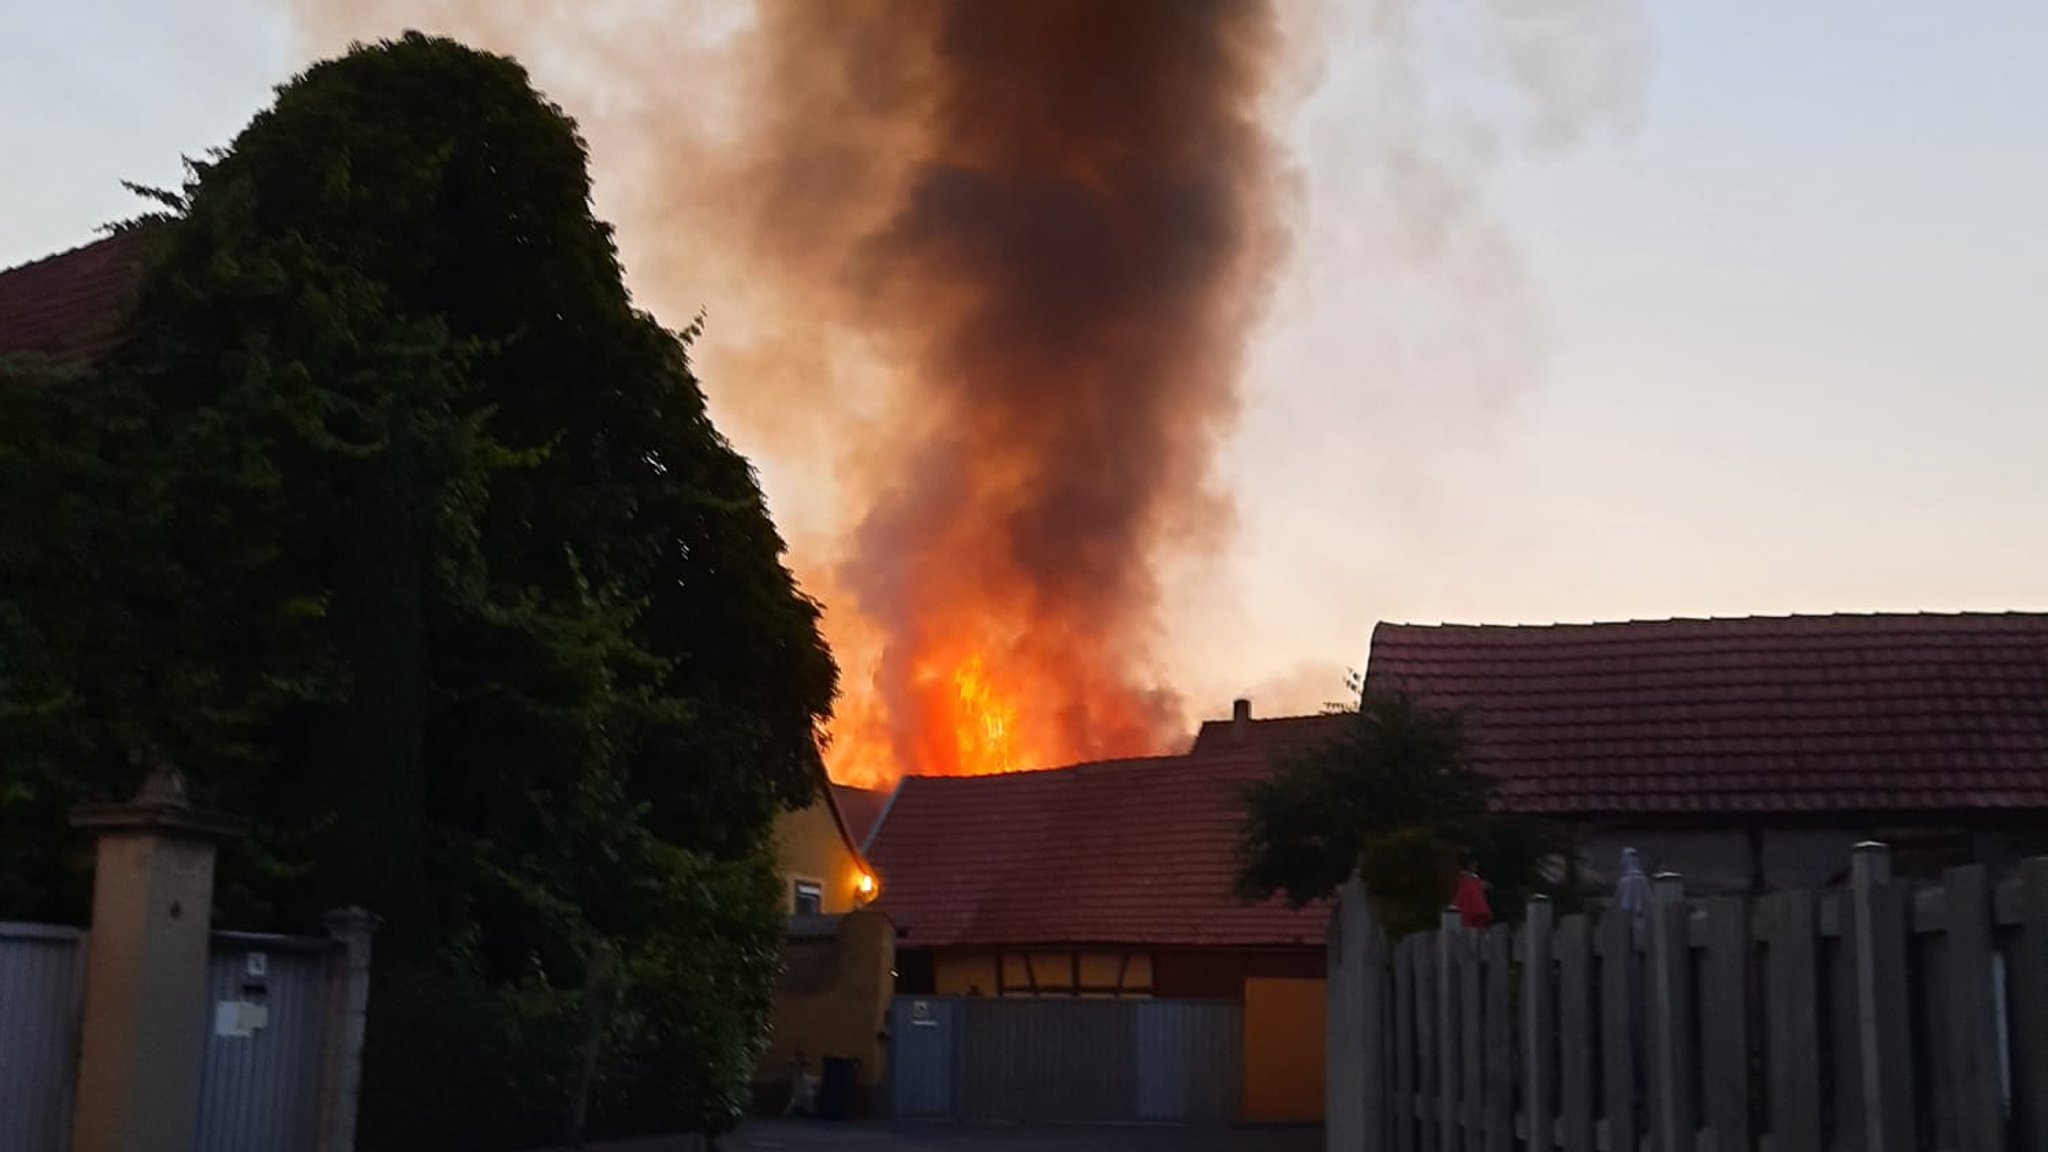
1394, 799
402, 531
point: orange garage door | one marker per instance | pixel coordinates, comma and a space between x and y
1283, 1051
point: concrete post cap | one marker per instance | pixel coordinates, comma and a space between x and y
163, 804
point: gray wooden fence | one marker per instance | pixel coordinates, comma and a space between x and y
1881, 1016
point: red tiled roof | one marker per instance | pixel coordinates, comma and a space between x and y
860, 809
854, 843
1276, 736
1116, 852
1878, 713
71, 306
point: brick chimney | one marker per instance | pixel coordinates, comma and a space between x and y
1240, 720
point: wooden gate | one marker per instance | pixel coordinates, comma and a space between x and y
262, 1070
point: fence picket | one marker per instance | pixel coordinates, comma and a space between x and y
1724, 1022
1373, 1018
1575, 1033
1499, 1120
1404, 1044
1620, 1024
2029, 974
1670, 1046
1972, 1024
1843, 1059
1346, 1043
1539, 1024
1472, 1041
1791, 939
1450, 1079
1348, 1114
1893, 913
1429, 1035
1882, 929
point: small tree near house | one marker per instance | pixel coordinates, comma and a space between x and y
1395, 799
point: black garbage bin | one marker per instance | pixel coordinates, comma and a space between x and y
838, 1082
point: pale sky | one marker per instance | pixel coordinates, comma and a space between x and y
1771, 338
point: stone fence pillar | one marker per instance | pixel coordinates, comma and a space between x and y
348, 1007
145, 970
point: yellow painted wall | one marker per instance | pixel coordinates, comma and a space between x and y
964, 974
1283, 1051
808, 846
833, 1000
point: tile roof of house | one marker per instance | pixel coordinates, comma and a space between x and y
856, 845
1879, 713
1117, 852
1274, 736
71, 305
860, 808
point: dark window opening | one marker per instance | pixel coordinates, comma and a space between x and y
810, 898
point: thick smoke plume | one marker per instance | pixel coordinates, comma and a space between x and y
1055, 218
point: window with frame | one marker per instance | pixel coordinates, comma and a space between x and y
808, 898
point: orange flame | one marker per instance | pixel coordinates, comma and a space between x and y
986, 723
973, 707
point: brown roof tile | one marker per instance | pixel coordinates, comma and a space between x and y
71, 306
1761, 714
860, 808
1274, 736
1117, 852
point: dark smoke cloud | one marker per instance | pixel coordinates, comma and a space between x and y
1062, 229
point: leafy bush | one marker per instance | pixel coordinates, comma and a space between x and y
1394, 800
